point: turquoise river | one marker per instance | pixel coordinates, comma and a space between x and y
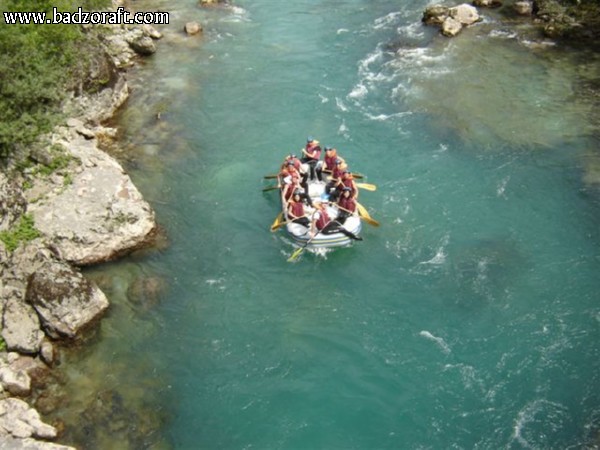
469, 319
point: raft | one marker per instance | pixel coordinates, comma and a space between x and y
301, 235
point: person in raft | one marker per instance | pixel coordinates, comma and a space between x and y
312, 155
300, 168
295, 210
336, 180
328, 163
346, 204
322, 223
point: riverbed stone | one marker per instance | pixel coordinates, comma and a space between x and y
20, 326
451, 27
465, 14
435, 14
65, 301
192, 28
16, 382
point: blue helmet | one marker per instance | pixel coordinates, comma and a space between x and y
310, 139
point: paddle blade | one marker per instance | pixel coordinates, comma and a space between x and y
277, 222
296, 254
367, 186
364, 214
270, 188
270, 177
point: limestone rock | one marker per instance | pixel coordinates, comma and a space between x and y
12, 202
435, 14
451, 27
65, 301
99, 216
192, 28
144, 46
465, 14
8, 442
21, 326
20, 421
17, 382
523, 8
487, 3
151, 32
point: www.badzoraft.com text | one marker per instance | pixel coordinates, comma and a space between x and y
80, 17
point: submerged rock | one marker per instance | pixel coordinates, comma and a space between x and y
192, 28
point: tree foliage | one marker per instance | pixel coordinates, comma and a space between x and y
37, 61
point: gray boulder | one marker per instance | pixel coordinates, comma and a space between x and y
435, 14
100, 215
64, 300
143, 45
20, 325
465, 14
451, 27
192, 28
18, 420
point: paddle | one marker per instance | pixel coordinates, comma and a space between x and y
298, 251
278, 222
358, 176
364, 214
270, 188
366, 186
270, 177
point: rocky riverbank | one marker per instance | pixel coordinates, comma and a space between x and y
64, 204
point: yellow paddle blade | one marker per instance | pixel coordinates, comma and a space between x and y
367, 186
364, 214
277, 222
296, 254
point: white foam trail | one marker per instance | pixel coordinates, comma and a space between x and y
323, 98
343, 30
359, 91
386, 20
502, 186
438, 340
340, 104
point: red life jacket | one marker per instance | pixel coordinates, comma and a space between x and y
330, 161
296, 208
347, 203
347, 182
314, 151
323, 219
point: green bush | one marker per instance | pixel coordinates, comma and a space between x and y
24, 231
37, 63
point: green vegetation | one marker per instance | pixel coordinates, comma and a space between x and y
24, 231
38, 66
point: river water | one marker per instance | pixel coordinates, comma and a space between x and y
470, 318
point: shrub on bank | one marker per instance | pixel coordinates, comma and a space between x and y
39, 64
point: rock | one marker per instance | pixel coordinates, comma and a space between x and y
21, 326
192, 28
151, 32
65, 301
487, 3
435, 14
47, 352
146, 291
523, 8
17, 382
465, 14
100, 215
144, 46
21, 421
451, 27
12, 202
8, 442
